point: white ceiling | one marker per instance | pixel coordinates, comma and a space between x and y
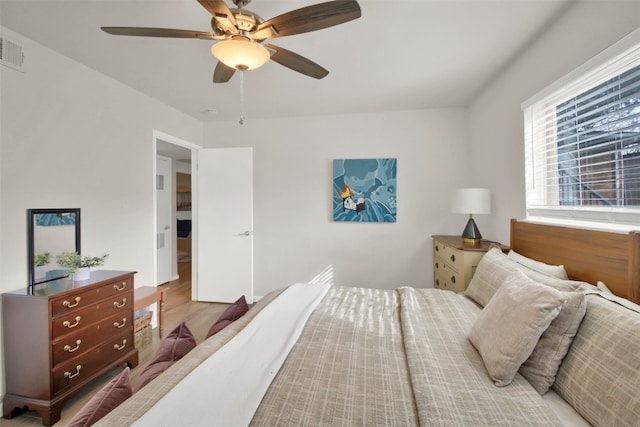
400, 55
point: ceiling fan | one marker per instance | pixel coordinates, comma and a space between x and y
240, 35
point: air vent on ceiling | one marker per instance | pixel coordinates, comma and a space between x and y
11, 54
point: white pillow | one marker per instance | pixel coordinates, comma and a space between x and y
552, 270
510, 325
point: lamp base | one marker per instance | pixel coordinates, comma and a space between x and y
471, 234
471, 242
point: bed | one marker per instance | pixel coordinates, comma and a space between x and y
317, 354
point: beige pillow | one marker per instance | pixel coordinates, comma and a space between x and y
495, 267
600, 376
541, 367
508, 328
548, 269
492, 270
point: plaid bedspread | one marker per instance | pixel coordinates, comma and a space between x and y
371, 357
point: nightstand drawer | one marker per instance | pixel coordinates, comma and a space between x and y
454, 262
448, 254
448, 279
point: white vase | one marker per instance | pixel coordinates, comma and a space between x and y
83, 273
40, 271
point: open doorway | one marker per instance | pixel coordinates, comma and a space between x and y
172, 199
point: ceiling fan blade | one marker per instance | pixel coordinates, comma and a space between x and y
297, 62
158, 32
222, 73
222, 14
310, 18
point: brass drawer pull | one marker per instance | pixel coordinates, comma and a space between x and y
70, 375
437, 248
68, 348
120, 347
68, 324
437, 265
120, 288
116, 304
120, 325
453, 279
453, 258
69, 304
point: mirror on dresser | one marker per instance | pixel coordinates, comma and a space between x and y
50, 231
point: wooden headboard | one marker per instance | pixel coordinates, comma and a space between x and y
587, 255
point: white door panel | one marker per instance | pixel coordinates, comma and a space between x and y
164, 238
224, 224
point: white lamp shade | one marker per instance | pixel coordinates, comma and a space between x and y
240, 53
472, 201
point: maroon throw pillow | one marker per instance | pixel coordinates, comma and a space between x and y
230, 315
150, 372
176, 345
108, 398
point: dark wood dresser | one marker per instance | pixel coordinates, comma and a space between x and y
60, 336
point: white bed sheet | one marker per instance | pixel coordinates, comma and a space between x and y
563, 410
228, 387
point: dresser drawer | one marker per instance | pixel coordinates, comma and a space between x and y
68, 304
447, 278
450, 255
74, 344
82, 367
78, 319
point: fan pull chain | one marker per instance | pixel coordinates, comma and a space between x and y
241, 121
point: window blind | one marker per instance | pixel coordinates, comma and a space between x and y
582, 141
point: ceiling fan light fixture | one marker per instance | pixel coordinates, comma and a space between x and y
240, 53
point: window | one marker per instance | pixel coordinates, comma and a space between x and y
582, 142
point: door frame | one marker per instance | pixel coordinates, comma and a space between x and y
158, 135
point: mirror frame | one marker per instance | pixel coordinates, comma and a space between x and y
31, 218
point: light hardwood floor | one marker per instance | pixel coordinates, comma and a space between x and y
178, 307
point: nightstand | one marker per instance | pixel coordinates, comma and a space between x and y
454, 262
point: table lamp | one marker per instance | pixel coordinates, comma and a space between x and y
472, 201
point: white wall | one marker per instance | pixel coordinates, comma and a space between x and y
295, 236
496, 120
74, 138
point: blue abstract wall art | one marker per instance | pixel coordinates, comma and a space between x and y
364, 190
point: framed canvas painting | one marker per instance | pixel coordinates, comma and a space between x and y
364, 190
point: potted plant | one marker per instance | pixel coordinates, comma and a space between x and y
40, 260
78, 265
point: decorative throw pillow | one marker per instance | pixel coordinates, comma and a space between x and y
548, 269
541, 367
508, 328
104, 401
174, 347
150, 372
230, 315
492, 270
495, 267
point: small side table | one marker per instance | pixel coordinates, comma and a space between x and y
455, 262
147, 295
